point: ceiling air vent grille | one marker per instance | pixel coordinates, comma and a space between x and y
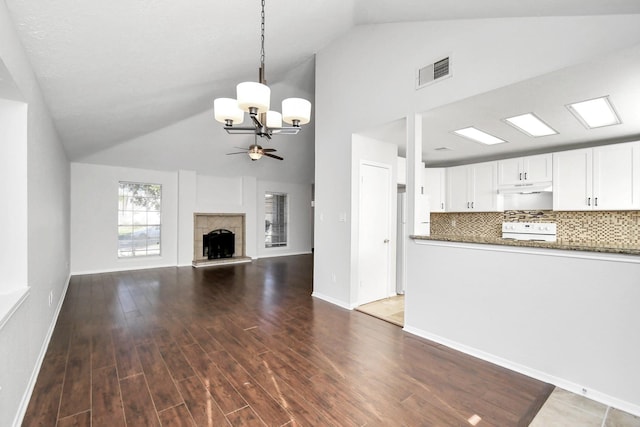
433, 72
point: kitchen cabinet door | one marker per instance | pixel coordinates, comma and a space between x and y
525, 169
572, 183
434, 187
473, 188
510, 171
484, 185
537, 168
457, 181
616, 177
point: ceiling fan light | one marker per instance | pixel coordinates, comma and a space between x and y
226, 110
255, 155
253, 95
274, 119
296, 110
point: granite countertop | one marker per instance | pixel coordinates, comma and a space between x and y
615, 248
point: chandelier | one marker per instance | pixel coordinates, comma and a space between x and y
254, 98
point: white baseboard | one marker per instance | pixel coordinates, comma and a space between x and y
332, 300
282, 254
24, 403
533, 373
123, 268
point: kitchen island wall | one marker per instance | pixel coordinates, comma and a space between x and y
565, 317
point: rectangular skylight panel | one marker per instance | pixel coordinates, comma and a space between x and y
531, 125
478, 136
595, 113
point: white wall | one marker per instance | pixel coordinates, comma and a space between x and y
201, 144
367, 78
24, 337
94, 219
549, 314
300, 219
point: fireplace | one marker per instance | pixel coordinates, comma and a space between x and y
218, 243
229, 228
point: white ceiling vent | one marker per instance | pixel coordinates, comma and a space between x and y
438, 70
443, 149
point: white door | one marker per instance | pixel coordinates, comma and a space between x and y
374, 233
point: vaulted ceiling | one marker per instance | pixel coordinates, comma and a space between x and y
112, 71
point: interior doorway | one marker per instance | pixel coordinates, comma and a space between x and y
374, 233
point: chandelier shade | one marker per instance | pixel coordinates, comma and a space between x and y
296, 111
253, 95
255, 99
226, 111
274, 120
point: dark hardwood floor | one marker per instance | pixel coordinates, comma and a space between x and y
246, 345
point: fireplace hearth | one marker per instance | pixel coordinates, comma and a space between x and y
218, 243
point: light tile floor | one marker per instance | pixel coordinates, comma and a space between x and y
562, 408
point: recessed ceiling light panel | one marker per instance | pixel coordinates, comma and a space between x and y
595, 113
531, 125
478, 136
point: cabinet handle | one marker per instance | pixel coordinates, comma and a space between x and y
471, 205
525, 176
596, 201
520, 179
588, 201
442, 205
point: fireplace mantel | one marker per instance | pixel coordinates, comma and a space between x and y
203, 223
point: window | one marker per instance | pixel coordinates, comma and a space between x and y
139, 219
275, 220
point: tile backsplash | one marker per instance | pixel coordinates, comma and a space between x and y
594, 228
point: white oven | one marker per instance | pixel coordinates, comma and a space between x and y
534, 231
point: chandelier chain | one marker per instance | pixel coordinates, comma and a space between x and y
262, 36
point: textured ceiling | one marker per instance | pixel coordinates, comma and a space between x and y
111, 71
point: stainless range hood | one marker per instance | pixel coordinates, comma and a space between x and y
526, 188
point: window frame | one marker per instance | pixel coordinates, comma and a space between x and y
269, 223
141, 244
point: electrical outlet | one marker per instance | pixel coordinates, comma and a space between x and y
333, 277
453, 222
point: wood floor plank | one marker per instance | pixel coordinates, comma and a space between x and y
127, 359
176, 362
247, 345
45, 400
76, 392
178, 416
260, 401
107, 409
161, 385
245, 417
138, 405
224, 393
82, 419
201, 404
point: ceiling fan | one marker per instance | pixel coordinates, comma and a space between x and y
256, 152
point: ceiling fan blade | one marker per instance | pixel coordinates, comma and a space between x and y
243, 148
269, 150
241, 152
273, 156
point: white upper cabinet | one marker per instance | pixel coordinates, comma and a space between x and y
434, 187
473, 188
600, 178
525, 169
